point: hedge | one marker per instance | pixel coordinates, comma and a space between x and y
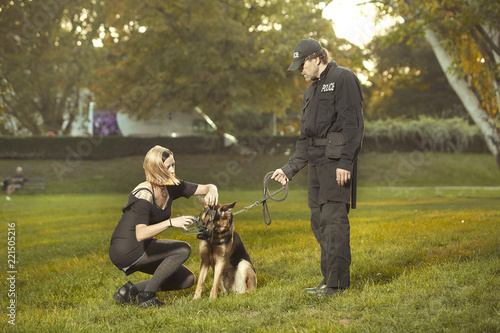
97, 148
454, 135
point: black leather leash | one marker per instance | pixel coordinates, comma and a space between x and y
265, 197
198, 229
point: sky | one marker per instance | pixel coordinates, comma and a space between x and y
354, 22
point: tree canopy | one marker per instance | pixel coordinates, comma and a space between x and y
408, 82
229, 57
224, 56
465, 37
47, 53
467, 29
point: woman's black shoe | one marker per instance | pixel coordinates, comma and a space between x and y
148, 299
127, 294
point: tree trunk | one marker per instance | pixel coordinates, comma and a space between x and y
490, 131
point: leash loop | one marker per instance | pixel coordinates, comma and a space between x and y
266, 195
200, 230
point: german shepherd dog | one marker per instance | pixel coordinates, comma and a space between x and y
222, 249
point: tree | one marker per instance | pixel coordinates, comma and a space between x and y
408, 82
168, 55
465, 38
47, 52
222, 55
6, 94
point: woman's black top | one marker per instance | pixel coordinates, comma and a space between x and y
125, 249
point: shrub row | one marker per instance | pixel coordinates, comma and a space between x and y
440, 135
426, 134
454, 135
97, 148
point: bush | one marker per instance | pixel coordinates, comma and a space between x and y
453, 135
97, 148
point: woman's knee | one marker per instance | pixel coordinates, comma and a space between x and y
190, 280
185, 249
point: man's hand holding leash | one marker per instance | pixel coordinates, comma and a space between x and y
280, 177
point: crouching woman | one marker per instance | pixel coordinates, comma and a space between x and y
147, 214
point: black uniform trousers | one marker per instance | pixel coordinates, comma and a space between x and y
329, 204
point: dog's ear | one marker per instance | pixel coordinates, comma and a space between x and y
228, 207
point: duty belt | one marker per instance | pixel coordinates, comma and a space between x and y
318, 141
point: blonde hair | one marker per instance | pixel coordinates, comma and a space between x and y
154, 168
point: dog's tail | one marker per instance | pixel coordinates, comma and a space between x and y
246, 279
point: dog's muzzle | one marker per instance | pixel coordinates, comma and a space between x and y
204, 234
198, 229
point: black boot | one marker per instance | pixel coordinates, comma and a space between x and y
127, 294
148, 299
316, 289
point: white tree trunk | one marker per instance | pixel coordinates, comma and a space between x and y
490, 132
494, 35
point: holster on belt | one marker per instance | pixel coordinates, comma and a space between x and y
334, 145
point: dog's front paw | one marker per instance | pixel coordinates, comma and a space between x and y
213, 295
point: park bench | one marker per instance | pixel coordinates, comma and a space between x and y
33, 185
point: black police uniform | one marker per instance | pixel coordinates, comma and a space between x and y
332, 103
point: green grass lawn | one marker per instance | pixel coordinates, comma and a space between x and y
425, 247
230, 172
423, 261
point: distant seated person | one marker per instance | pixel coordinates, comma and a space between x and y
16, 182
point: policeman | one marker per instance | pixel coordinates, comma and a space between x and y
331, 134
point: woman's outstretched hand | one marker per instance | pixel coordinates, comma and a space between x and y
182, 222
